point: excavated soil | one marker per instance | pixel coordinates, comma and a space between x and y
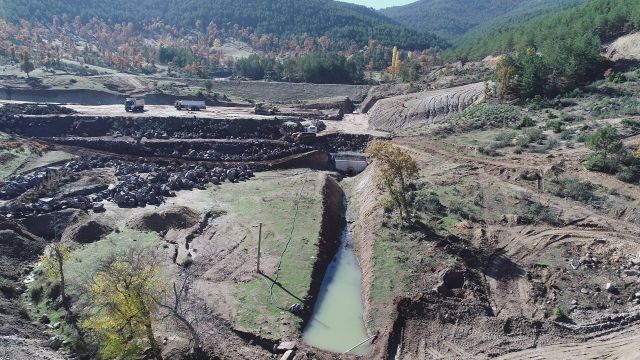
87, 232
178, 217
414, 110
625, 48
491, 289
18, 250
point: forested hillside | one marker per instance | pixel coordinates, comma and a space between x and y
452, 19
343, 23
600, 20
556, 53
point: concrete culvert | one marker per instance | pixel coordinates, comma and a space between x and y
87, 232
176, 217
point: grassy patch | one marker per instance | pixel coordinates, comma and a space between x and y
392, 272
18, 158
86, 258
289, 205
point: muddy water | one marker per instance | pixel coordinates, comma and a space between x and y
337, 322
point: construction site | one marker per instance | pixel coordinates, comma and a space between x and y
292, 248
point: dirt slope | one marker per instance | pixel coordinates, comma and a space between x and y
413, 110
625, 48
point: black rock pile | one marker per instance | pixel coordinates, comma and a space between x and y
139, 184
34, 109
18, 185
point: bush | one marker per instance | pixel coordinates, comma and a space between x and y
428, 202
533, 135
573, 188
575, 93
557, 126
526, 121
557, 313
54, 291
460, 208
629, 175
632, 123
565, 135
487, 115
618, 78
532, 212
602, 163
36, 294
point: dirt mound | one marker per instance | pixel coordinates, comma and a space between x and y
6, 158
45, 225
413, 110
177, 217
87, 232
35, 109
625, 48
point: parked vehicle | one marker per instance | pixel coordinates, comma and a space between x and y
304, 137
192, 105
134, 104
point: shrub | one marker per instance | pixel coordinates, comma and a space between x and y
533, 135
557, 126
557, 313
602, 163
460, 208
617, 78
54, 291
628, 175
606, 140
575, 93
532, 212
582, 137
565, 135
428, 202
573, 188
526, 121
36, 294
488, 115
632, 123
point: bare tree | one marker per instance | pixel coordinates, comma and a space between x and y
179, 305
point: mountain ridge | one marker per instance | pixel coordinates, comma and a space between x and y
452, 19
340, 21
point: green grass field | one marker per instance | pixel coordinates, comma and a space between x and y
289, 204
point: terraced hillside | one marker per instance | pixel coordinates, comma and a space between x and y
413, 110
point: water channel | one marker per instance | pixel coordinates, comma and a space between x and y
337, 322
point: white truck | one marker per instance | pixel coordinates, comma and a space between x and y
134, 104
192, 105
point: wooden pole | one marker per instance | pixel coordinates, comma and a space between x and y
259, 244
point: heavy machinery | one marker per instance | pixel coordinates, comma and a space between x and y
192, 105
134, 104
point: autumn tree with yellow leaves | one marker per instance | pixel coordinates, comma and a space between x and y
122, 304
396, 64
396, 169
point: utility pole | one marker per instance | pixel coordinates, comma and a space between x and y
259, 244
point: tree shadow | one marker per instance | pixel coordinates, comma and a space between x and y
278, 284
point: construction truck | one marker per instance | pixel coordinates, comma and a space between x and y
134, 105
192, 105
